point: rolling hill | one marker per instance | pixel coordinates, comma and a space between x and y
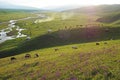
110, 18
100, 9
79, 47
106, 13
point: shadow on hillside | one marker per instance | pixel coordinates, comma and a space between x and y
64, 37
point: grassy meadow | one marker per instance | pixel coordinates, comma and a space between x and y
68, 29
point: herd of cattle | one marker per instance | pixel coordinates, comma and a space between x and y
26, 56
56, 49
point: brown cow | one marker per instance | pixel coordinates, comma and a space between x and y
56, 49
27, 56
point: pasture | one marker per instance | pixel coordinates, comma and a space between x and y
73, 47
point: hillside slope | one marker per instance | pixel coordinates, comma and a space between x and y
88, 62
110, 18
74, 47
63, 37
98, 9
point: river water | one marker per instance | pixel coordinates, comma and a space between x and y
11, 25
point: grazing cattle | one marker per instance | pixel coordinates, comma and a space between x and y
12, 58
74, 47
36, 55
97, 43
27, 56
56, 49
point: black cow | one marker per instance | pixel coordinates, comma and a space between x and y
36, 55
12, 58
97, 43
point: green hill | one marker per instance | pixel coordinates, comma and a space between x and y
89, 61
110, 18
98, 9
64, 37
71, 46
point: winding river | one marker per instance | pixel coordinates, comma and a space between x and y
12, 24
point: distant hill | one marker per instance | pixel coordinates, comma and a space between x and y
107, 13
4, 5
8, 11
97, 9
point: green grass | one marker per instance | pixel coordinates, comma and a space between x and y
88, 62
2, 26
109, 18
6, 15
56, 24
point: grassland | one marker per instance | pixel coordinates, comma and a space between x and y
88, 62
6, 15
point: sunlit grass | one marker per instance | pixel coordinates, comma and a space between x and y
85, 62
